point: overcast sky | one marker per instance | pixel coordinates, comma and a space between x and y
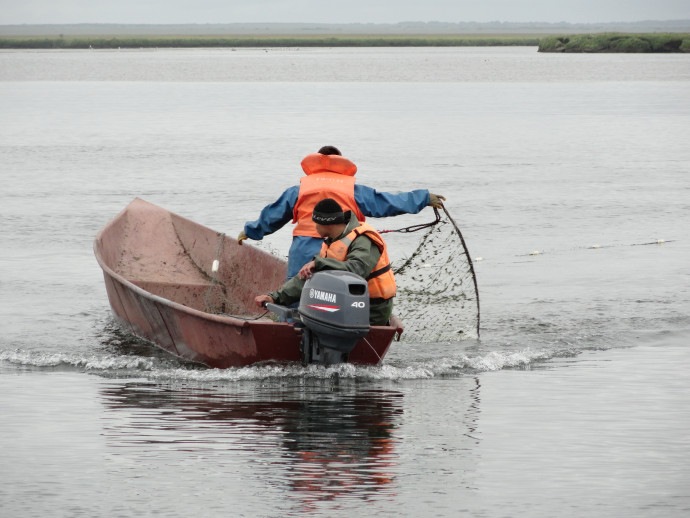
338, 11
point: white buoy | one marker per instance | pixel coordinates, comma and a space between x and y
215, 266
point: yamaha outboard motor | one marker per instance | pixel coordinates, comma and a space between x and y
333, 313
334, 308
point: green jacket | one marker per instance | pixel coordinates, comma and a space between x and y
362, 256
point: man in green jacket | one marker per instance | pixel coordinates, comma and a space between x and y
362, 257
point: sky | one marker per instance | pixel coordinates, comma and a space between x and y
337, 11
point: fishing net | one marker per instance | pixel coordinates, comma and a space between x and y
438, 298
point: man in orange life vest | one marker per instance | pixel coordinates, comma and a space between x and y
347, 245
329, 175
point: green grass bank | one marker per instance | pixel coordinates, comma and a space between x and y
617, 42
114, 42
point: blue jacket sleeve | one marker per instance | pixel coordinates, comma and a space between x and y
376, 204
274, 216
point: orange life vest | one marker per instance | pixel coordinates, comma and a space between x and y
327, 176
381, 280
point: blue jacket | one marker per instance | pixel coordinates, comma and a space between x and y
372, 203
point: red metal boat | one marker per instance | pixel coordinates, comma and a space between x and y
190, 290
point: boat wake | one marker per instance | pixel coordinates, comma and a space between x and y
164, 369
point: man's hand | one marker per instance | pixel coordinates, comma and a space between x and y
261, 300
241, 237
436, 200
307, 270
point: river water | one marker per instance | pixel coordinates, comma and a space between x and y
568, 175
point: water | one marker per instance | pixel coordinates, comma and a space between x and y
573, 403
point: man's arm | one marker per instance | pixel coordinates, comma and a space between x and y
289, 292
375, 204
274, 216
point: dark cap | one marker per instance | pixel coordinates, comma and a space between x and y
328, 212
330, 150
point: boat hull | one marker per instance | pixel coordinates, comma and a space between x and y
161, 285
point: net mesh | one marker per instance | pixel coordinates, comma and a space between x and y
437, 297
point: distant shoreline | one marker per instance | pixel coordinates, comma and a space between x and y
643, 36
249, 41
639, 36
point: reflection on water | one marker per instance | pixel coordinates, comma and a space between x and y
574, 440
326, 441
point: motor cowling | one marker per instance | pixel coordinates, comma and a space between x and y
334, 307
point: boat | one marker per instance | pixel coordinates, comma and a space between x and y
190, 291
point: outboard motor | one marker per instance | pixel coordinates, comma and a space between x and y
334, 308
333, 313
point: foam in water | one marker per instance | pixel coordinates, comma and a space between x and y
163, 370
